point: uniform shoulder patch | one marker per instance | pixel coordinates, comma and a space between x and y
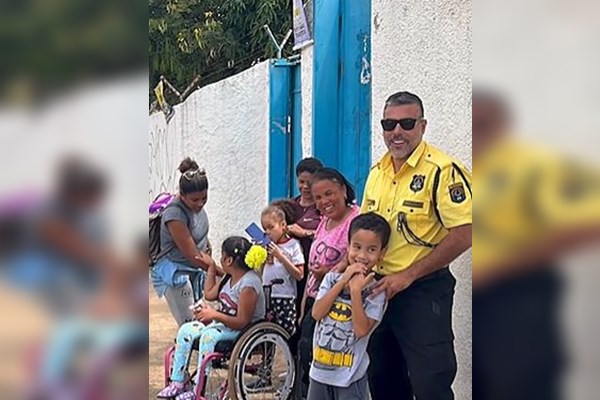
457, 192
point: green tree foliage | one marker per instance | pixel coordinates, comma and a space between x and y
50, 46
212, 38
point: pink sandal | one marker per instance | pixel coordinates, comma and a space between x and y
191, 395
174, 389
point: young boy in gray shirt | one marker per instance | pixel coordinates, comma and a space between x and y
346, 315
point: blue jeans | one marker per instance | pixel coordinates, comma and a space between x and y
209, 335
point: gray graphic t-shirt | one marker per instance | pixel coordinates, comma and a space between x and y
339, 359
229, 296
196, 222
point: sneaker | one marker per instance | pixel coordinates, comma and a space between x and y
174, 389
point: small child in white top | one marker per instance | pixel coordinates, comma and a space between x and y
285, 263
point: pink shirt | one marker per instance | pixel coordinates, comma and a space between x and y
328, 248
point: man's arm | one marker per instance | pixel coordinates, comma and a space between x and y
457, 241
539, 254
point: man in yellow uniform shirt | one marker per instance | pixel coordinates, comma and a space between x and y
426, 197
534, 207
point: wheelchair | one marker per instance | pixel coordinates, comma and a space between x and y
257, 365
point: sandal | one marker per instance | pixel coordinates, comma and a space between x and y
191, 395
174, 389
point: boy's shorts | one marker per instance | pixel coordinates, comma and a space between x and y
356, 391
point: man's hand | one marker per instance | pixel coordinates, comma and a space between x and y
393, 284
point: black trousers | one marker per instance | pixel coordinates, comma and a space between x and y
305, 346
517, 345
412, 350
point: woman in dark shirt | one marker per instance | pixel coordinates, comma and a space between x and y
304, 228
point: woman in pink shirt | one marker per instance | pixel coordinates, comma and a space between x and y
334, 198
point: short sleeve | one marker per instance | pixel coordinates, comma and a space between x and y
363, 205
328, 282
454, 198
174, 213
375, 307
251, 280
297, 254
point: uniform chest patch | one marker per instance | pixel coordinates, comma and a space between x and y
417, 183
457, 192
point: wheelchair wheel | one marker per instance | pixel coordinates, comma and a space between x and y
216, 387
261, 365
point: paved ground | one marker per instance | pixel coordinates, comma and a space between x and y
163, 329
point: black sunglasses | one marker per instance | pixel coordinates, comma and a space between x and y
407, 124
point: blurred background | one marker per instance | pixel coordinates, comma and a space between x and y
73, 184
537, 208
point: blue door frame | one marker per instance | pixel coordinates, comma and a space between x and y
285, 127
341, 104
341, 118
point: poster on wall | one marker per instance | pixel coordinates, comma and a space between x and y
302, 28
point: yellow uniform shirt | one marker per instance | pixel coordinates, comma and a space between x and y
430, 193
527, 193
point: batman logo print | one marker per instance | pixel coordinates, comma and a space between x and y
417, 183
340, 312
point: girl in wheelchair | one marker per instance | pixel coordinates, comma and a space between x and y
241, 302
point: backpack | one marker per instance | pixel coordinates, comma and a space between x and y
156, 210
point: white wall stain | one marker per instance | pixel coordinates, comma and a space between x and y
365, 72
281, 127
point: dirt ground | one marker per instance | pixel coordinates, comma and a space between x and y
163, 329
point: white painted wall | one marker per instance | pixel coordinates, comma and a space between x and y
225, 128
